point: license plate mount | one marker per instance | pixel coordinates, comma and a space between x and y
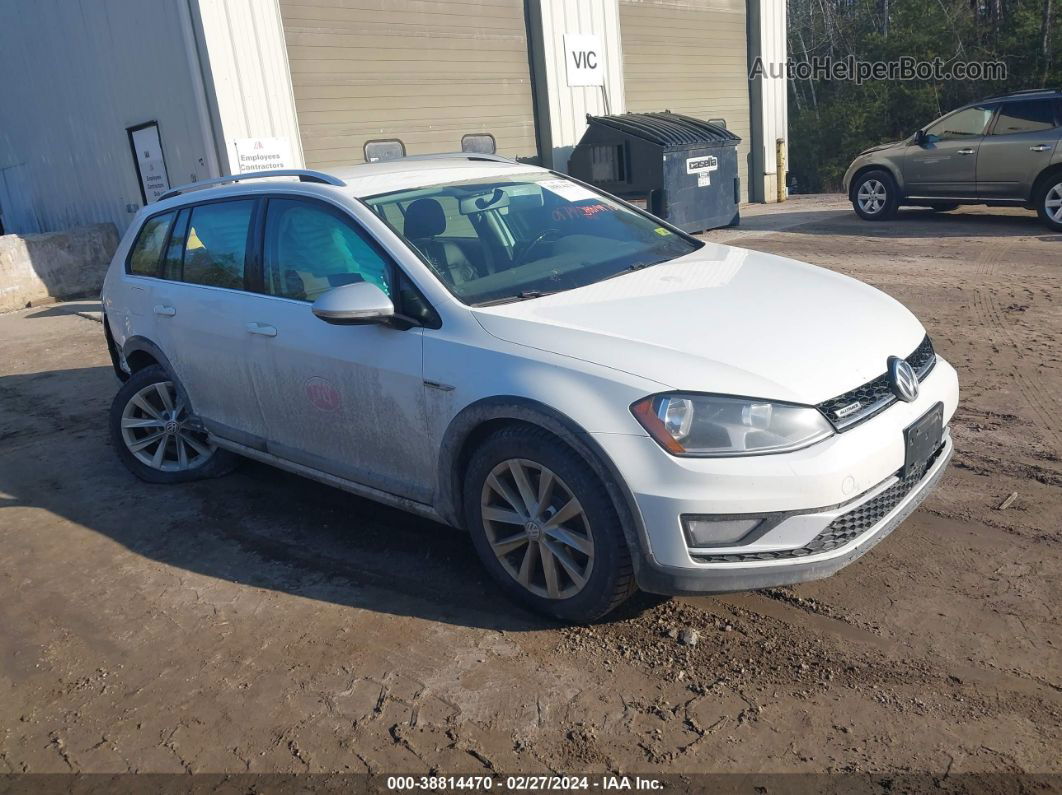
922, 438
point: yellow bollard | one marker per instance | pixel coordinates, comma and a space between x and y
779, 154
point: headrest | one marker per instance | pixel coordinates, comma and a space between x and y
424, 218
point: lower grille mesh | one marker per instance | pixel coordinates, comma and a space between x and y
841, 530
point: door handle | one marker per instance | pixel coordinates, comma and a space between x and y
1039, 148
966, 151
164, 311
262, 328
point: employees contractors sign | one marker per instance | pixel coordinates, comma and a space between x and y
262, 154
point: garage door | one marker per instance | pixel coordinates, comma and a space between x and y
689, 56
423, 72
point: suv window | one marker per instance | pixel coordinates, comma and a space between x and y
216, 244
1028, 115
964, 124
144, 256
310, 248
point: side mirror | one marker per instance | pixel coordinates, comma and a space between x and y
357, 304
921, 138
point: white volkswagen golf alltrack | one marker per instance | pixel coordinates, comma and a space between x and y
604, 402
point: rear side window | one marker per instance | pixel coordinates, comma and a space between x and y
144, 257
1030, 115
215, 246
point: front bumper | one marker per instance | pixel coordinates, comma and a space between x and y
748, 575
843, 473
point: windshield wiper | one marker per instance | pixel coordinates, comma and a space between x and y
522, 296
638, 266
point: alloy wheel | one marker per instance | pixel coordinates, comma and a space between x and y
537, 528
871, 196
157, 428
1053, 203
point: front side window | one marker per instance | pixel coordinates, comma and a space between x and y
145, 254
502, 239
309, 249
1029, 115
967, 123
216, 243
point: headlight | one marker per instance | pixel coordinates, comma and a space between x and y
711, 425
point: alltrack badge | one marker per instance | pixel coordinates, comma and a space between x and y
902, 379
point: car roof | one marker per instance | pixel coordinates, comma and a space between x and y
360, 181
409, 173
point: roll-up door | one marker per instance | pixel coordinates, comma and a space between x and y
426, 73
689, 56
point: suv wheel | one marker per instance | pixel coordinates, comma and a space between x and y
545, 527
875, 196
157, 436
1049, 206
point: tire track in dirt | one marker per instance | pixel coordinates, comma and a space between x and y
990, 316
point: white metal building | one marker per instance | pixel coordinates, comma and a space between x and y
106, 103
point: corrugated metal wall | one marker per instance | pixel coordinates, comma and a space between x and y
75, 74
245, 61
774, 90
424, 72
566, 106
689, 56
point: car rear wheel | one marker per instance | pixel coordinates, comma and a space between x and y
157, 436
545, 526
875, 196
1049, 206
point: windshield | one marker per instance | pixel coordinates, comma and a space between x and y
496, 240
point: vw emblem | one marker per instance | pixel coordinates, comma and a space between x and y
902, 379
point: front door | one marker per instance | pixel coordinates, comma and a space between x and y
347, 400
945, 163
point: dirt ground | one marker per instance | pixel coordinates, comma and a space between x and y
263, 622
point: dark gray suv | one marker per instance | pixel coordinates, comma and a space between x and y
1003, 151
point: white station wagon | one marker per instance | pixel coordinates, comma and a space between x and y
604, 402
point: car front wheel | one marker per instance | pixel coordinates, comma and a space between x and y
1049, 207
157, 436
545, 527
875, 196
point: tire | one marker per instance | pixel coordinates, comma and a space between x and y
881, 196
1049, 202
587, 551
143, 422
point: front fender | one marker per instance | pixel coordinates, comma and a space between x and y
458, 445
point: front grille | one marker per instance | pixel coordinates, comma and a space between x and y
845, 528
876, 395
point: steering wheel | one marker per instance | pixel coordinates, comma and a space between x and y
547, 235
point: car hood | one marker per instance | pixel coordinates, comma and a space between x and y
880, 147
724, 320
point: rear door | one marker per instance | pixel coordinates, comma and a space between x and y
202, 312
1019, 146
945, 164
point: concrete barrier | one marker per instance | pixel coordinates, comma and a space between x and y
34, 268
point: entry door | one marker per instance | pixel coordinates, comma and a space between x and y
347, 400
1018, 147
202, 311
945, 164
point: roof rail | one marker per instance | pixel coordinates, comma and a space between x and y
1025, 91
303, 174
460, 156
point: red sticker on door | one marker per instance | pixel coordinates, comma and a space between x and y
322, 394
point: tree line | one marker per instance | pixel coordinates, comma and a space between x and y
830, 121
